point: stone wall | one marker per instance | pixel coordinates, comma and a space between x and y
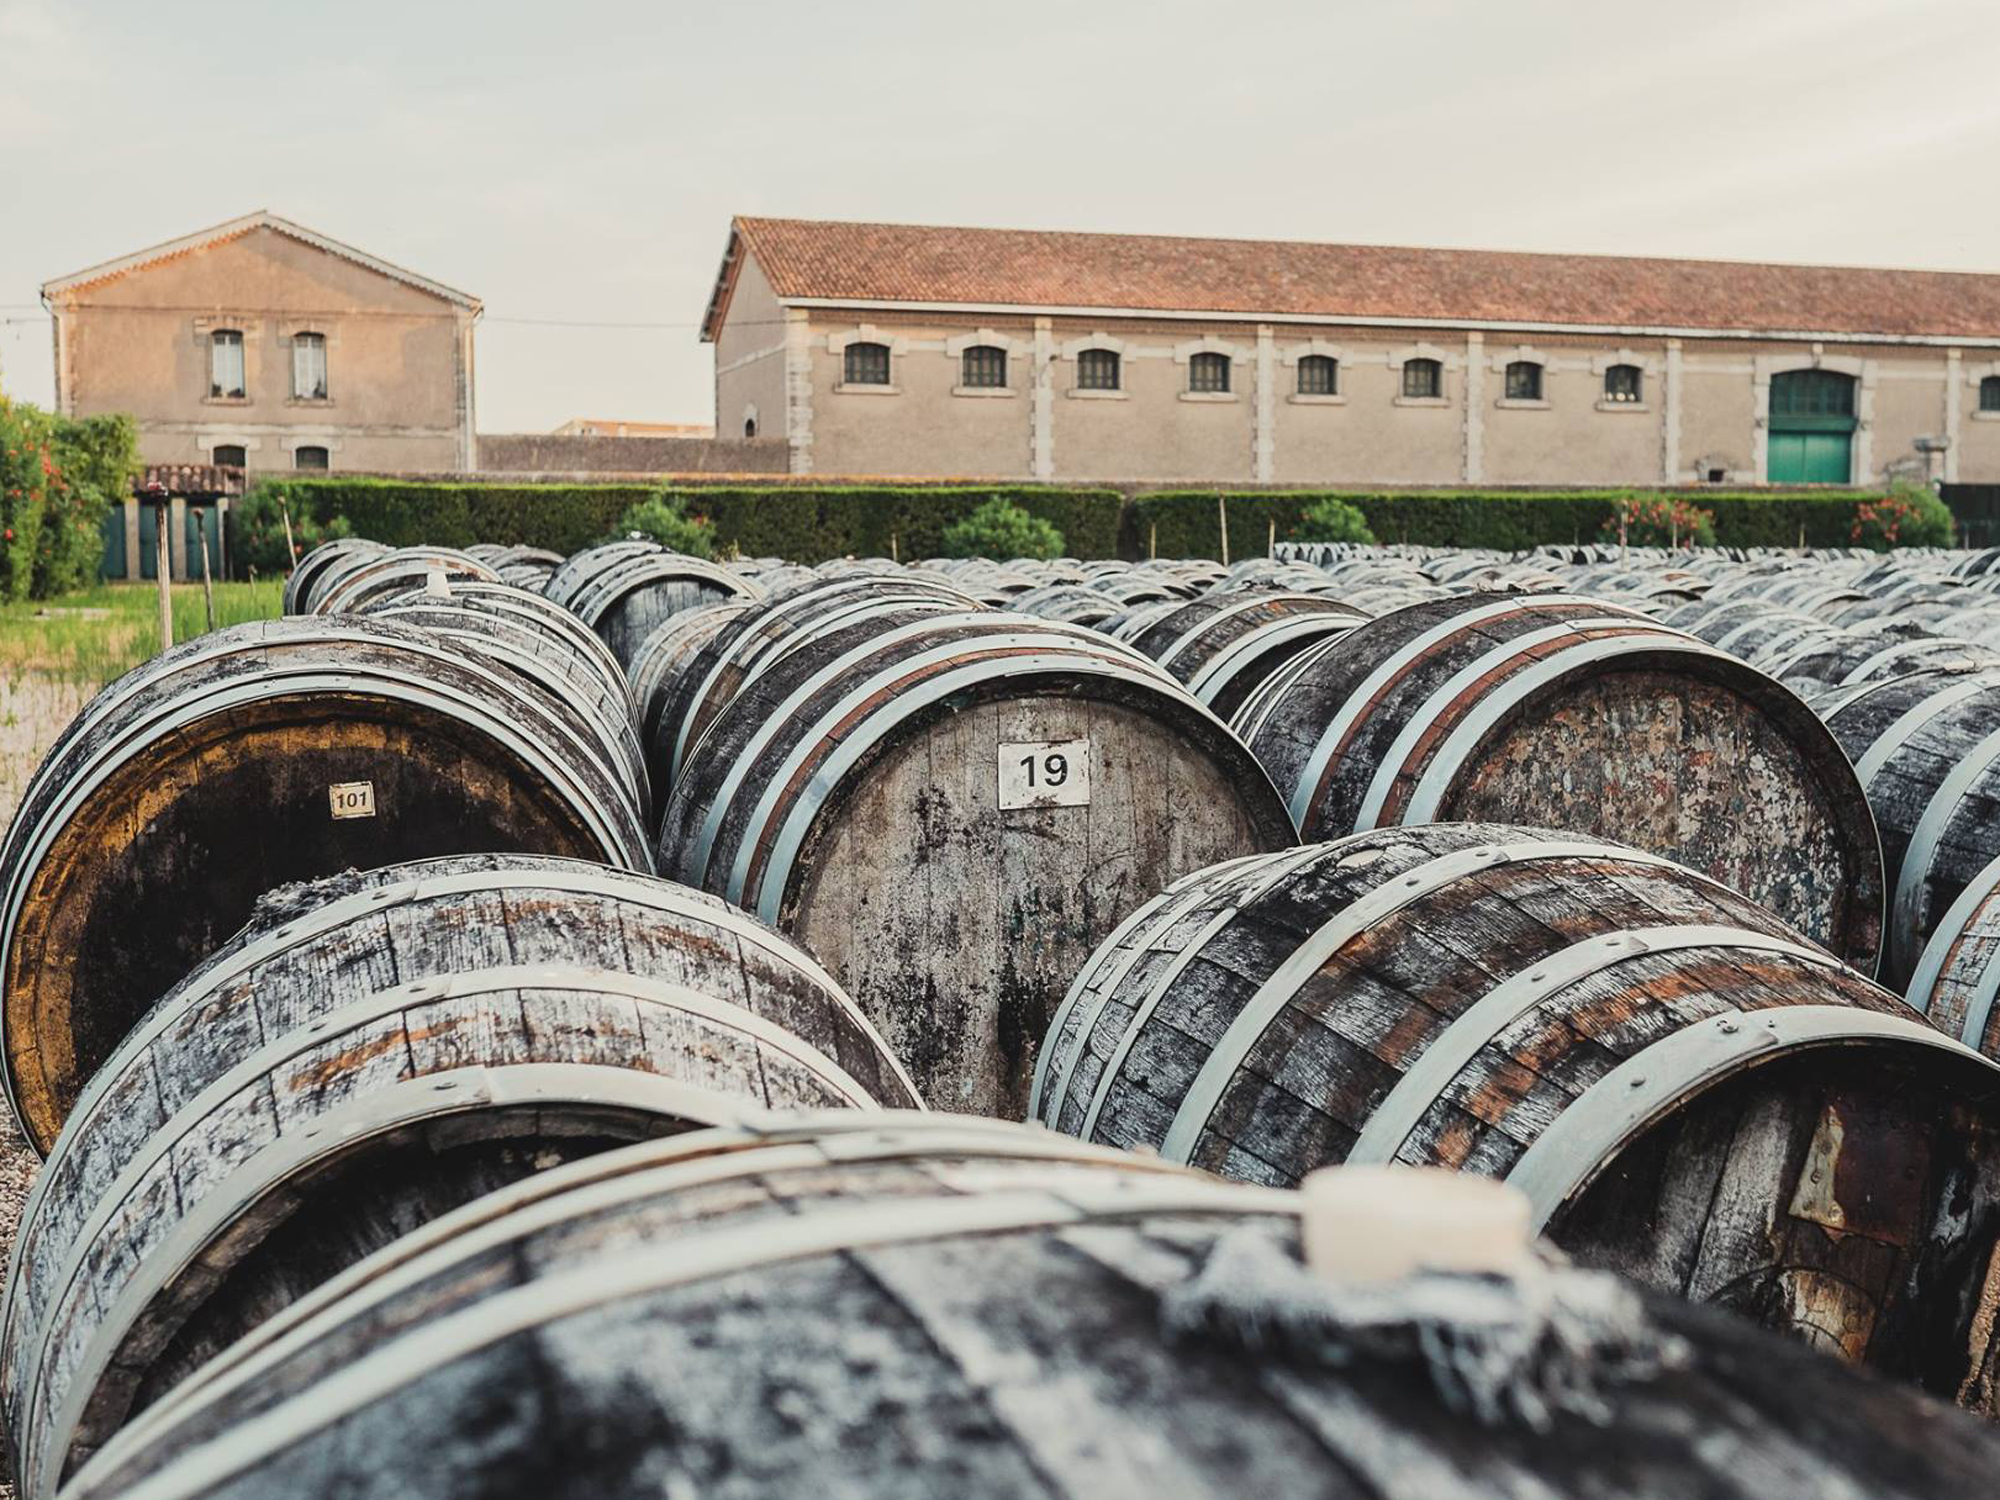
553, 453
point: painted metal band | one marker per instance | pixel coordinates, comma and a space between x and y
1450, 755
1277, 990
1257, 709
576, 571
1481, 1023
1208, 622
398, 1364
266, 1059
875, 727
1924, 840
1186, 889
1260, 884
1608, 1115
614, 585
1395, 666
1423, 717
1911, 722
1929, 972
380, 1112
583, 1189
1220, 670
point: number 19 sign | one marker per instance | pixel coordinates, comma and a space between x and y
1045, 775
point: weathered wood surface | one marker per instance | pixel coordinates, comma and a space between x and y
202, 779
1570, 713
661, 659
625, 595
780, 624
968, 1325
272, 1164
851, 793
1927, 749
1224, 645
1492, 999
320, 561
352, 583
523, 632
1956, 983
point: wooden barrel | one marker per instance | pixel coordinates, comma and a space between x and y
523, 632
951, 810
317, 563
659, 663
1223, 646
1957, 976
1689, 1091
1077, 603
624, 595
781, 623
1562, 712
244, 759
350, 585
1927, 750
528, 567
902, 1314
273, 1164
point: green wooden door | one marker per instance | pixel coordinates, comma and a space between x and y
1811, 457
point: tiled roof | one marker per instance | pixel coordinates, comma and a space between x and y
236, 229
903, 263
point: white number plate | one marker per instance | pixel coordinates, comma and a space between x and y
352, 799
1045, 775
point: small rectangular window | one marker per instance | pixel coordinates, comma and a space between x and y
1989, 393
1209, 372
1524, 381
866, 364
309, 458
1621, 384
309, 367
1423, 379
983, 367
225, 364
1097, 370
229, 456
1319, 375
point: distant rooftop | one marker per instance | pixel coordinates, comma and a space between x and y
1053, 271
608, 427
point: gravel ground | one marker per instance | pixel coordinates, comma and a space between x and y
33, 711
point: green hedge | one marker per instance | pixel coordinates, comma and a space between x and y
1185, 523
810, 524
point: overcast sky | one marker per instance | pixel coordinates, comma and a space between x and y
577, 164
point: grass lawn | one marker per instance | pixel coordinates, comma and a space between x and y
96, 634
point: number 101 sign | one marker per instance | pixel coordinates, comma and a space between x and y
1045, 775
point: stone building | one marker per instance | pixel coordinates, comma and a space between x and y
264, 344
903, 350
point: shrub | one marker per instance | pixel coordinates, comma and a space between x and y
1000, 529
57, 480
1908, 516
1660, 521
257, 532
665, 519
1334, 520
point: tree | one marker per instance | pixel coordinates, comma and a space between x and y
664, 518
1001, 530
1333, 520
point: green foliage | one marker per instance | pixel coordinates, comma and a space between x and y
1001, 530
1184, 522
58, 478
1659, 521
1908, 516
665, 519
257, 532
1333, 520
811, 523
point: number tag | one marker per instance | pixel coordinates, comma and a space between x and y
1045, 775
352, 799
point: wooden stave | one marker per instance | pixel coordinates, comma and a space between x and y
752, 641
1912, 739
765, 788
574, 572
525, 633
657, 665
1399, 666
349, 588
217, 1220
306, 572
533, 731
1222, 646
625, 602
1053, 1331
1315, 1083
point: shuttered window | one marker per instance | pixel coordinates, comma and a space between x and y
225, 363
308, 367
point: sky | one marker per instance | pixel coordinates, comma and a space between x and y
575, 166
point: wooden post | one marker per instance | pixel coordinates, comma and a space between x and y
1222, 520
895, 551
1152, 540
1271, 546
163, 561
291, 548
207, 588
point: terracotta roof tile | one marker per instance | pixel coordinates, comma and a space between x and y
1030, 268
